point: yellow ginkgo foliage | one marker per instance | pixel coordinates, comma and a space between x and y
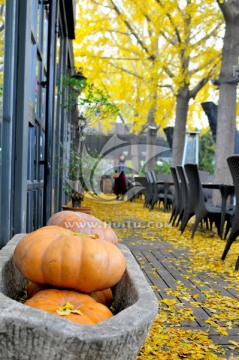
152, 57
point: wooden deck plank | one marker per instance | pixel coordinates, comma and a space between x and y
165, 267
171, 277
217, 283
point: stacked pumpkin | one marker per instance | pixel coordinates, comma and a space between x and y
75, 270
84, 223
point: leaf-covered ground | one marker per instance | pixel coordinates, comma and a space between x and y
168, 338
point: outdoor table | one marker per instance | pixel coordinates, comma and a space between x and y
226, 190
166, 184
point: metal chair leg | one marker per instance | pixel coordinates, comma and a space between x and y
227, 247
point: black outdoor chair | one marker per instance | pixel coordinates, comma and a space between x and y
158, 191
162, 190
150, 190
230, 210
205, 177
139, 188
166, 186
187, 204
233, 163
186, 210
201, 209
131, 194
177, 200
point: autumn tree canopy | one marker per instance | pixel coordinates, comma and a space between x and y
152, 58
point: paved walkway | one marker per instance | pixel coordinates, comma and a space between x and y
195, 289
167, 269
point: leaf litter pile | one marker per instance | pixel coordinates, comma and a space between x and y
169, 338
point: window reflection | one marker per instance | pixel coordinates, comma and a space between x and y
2, 31
37, 97
45, 32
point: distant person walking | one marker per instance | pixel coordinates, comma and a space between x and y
119, 185
121, 163
120, 181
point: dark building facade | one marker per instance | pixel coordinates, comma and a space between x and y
36, 53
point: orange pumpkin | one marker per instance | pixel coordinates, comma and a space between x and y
58, 257
83, 223
32, 288
103, 296
71, 305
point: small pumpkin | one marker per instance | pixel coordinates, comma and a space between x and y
83, 223
104, 297
32, 288
58, 257
71, 305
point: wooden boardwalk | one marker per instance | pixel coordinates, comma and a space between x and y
167, 270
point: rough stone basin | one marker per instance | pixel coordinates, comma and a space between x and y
27, 333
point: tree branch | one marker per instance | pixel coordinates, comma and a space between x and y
192, 93
202, 82
208, 35
139, 41
171, 21
105, 6
126, 71
204, 65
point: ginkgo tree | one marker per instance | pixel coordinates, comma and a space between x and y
152, 57
228, 83
192, 31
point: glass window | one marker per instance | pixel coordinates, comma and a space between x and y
45, 33
37, 99
2, 28
33, 65
36, 18
42, 156
37, 88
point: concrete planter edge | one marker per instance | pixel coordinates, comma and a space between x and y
27, 333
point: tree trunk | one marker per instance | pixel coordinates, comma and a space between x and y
151, 142
180, 126
225, 145
135, 153
150, 151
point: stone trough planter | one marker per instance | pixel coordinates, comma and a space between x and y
27, 333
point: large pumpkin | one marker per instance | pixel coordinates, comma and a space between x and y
71, 305
83, 223
57, 256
